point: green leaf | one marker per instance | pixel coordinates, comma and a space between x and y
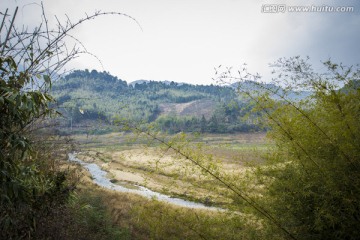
47, 79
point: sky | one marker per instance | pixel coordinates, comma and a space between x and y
183, 40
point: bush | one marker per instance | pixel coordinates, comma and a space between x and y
314, 185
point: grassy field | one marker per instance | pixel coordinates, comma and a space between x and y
161, 169
139, 218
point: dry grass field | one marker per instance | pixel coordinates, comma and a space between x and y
135, 162
162, 170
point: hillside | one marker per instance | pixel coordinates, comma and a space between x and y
87, 97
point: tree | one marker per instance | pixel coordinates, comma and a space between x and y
203, 124
29, 184
309, 188
313, 175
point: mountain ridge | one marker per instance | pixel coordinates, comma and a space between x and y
85, 95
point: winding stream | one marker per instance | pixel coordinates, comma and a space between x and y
99, 177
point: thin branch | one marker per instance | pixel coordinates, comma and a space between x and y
231, 187
8, 33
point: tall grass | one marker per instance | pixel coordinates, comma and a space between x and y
84, 217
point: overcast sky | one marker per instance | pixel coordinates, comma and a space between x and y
183, 40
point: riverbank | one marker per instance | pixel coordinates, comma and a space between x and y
164, 171
132, 165
99, 177
142, 218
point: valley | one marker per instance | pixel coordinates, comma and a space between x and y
162, 170
207, 127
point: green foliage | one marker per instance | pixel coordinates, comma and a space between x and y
310, 187
28, 189
32, 187
92, 219
85, 96
31, 184
84, 216
314, 176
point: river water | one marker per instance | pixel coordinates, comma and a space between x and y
99, 177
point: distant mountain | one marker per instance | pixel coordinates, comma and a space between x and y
274, 91
88, 97
167, 82
353, 85
138, 82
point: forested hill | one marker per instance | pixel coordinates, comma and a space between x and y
85, 96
